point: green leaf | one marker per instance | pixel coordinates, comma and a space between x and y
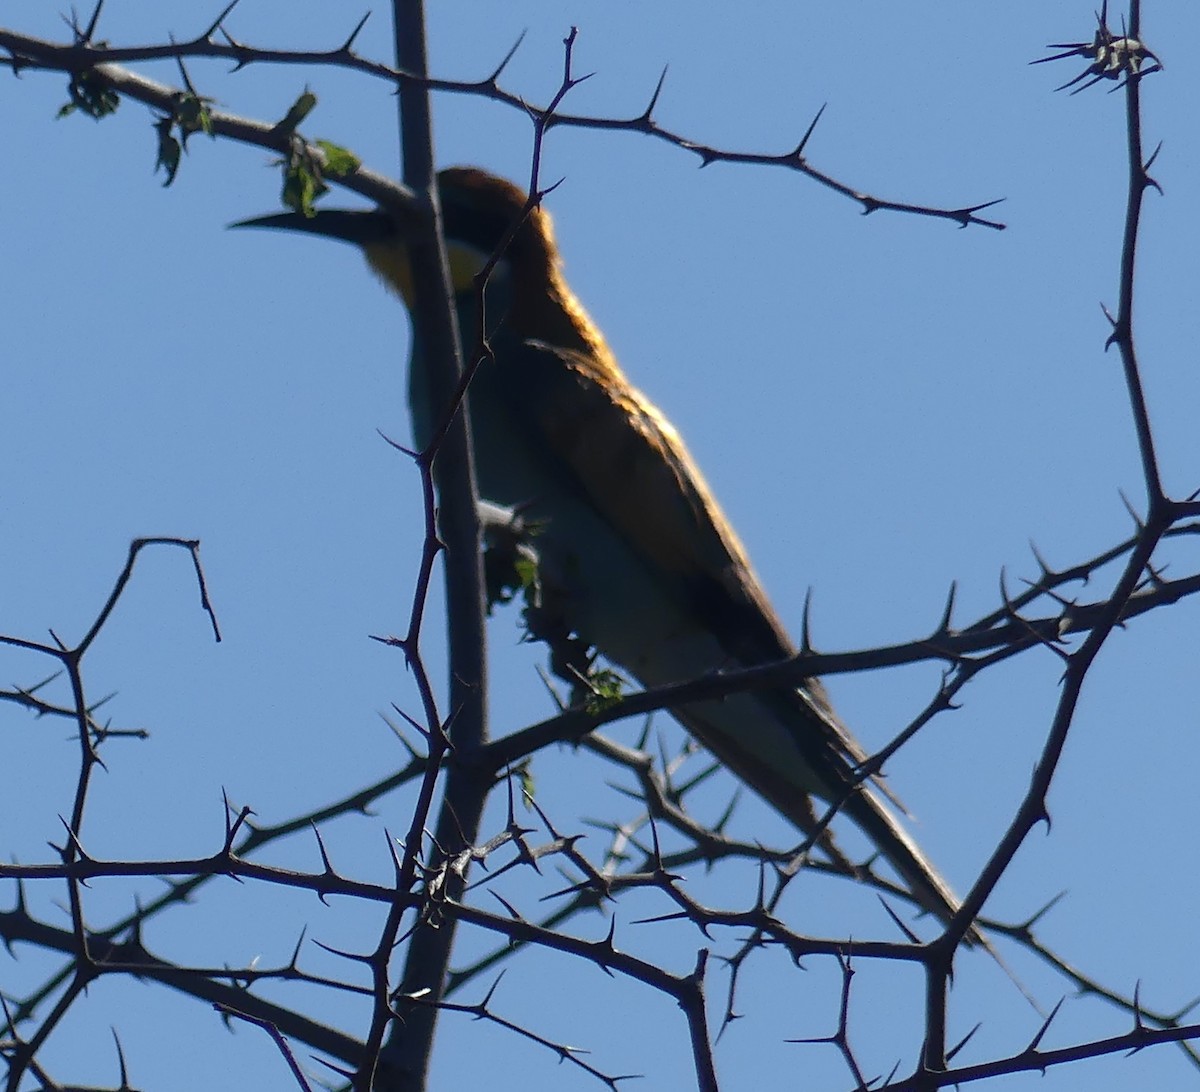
528, 785
604, 690
526, 569
299, 110
301, 187
169, 150
339, 161
192, 115
91, 94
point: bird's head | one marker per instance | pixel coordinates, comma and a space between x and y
527, 287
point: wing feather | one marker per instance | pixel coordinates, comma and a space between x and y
633, 468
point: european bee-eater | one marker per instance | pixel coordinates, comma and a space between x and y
655, 578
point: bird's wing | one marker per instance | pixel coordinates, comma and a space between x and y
632, 466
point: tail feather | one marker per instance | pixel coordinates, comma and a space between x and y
926, 884
792, 759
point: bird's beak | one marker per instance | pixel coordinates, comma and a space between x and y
378, 234
362, 227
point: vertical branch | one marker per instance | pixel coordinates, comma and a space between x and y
404, 1061
1122, 335
1161, 511
436, 328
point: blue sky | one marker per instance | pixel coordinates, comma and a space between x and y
882, 404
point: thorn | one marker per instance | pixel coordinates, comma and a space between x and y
646, 115
91, 28
294, 962
512, 910
1037, 555
1073, 50
944, 624
963, 1041
798, 154
187, 81
1004, 590
901, 925
506, 58
348, 44
416, 455
491, 990
986, 205
806, 623
216, 23
1132, 514
1035, 1042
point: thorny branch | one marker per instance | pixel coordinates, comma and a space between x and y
636, 858
84, 56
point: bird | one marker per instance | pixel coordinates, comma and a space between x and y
650, 572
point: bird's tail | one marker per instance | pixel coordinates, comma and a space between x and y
926, 884
791, 756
